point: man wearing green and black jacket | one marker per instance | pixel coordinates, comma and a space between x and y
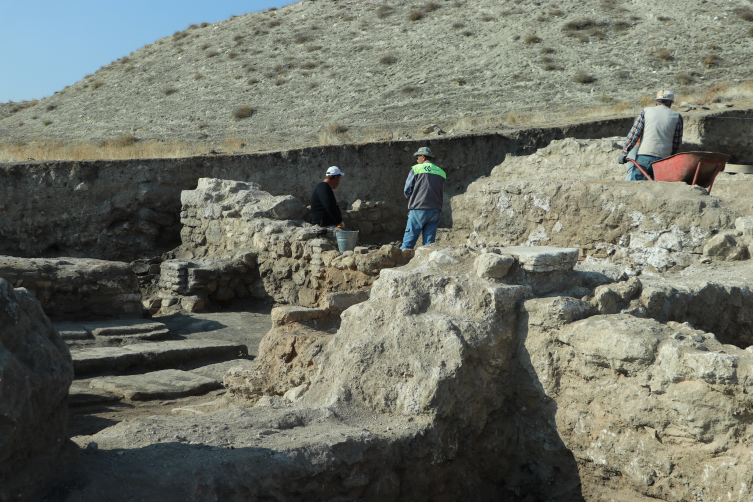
425, 190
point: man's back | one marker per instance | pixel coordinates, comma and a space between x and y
659, 131
324, 208
427, 187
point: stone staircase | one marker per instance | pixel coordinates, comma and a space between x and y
140, 360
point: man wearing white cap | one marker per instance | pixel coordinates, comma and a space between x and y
659, 131
324, 209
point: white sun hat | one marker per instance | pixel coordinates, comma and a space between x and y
335, 171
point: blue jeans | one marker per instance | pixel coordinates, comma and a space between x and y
634, 174
421, 220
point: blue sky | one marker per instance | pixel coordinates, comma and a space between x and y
46, 45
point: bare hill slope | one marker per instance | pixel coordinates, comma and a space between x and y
372, 69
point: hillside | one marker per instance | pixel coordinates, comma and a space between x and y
324, 71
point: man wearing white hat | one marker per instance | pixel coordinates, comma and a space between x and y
659, 131
324, 209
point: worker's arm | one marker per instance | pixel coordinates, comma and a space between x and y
677, 140
635, 134
409, 184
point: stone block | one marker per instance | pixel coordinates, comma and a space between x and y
544, 258
191, 303
164, 384
725, 246
492, 266
288, 314
342, 300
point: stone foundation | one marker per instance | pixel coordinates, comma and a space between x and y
76, 287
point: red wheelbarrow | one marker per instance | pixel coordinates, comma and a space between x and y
693, 168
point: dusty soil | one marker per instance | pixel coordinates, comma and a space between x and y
331, 71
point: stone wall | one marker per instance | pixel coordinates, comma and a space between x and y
76, 287
658, 226
239, 240
124, 209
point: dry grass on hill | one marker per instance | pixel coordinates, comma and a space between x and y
334, 133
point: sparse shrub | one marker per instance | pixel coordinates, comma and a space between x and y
243, 112
542, 18
531, 38
302, 38
336, 128
745, 13
204, 47
557, 13
646, 101
124, 140
467, 33
458, 3
583, 78
547, 59
232, 54
550, 66
663, 19
50, 108
415, 15
596, 32
97, 84
348, 18
713, 47
604, 98
547, 50
383, 11
170, 90
487, 18
431, 6
458, 25
47, 122
309, 65
198, 76
20, 123
664, 54
279, 81
459, 81
312, 48
711, 60
621, 26
273, 23
124, 60
750, 32
409, 89
580, 25
684, 78
312, 85
212, 54
635, 18
608, 4
193, 26
388, 59
204, 24
252, 81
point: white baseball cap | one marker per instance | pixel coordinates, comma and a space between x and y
335, 171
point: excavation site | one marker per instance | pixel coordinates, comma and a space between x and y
177, 328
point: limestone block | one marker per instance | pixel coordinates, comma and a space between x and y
342, 300
492, 266
611, 298
725, 246
544, 258
745, 225
164, 384
290, 314
35, 371
191, 303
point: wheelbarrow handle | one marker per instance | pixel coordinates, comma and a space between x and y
641, 169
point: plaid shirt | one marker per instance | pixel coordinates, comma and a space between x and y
637, 131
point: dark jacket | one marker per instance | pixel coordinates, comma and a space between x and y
425, 187
324, 208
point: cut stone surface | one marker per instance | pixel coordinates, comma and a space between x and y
196, 409
164, 384
285, 315
157, 354
544, 258
218, 370
81, 394
123, 327
492, 266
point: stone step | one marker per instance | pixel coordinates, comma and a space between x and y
123, 329
164, 384
152, 355
195, 409
218, 370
